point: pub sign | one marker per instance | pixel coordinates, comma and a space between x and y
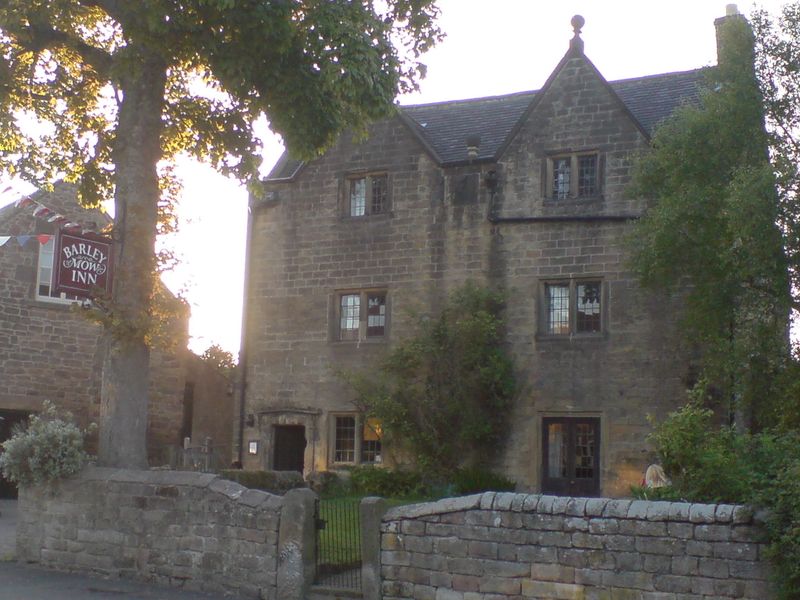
82, 264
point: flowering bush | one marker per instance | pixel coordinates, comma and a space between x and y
50, 447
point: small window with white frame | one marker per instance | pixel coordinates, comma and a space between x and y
44, 276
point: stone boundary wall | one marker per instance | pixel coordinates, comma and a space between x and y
498, 546
184, 529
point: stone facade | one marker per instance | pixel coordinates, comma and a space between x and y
501, 546
190, 530
493, 218
49, 351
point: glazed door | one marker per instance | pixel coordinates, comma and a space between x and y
289, 448
571, 456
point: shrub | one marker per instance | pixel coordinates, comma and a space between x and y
50, 447
476, 479
377, 481
713, 465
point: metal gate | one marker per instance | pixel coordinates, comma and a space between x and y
338, 545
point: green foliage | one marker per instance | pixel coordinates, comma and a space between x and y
472, 480
50, 447
783, 529
377, 481
275, 482
711, 464
220, 359
445, 390
711, 231
314, 69
702, 465
777, 59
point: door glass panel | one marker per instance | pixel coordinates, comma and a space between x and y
557, 450
584, 450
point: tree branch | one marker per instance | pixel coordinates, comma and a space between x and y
43, 36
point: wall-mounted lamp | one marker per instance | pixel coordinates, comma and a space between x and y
492, 181
250, 421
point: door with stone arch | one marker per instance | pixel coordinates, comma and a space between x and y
289, 448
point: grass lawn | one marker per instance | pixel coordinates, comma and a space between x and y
339, 543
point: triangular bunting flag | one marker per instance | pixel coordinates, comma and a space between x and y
71, 226
23, 239
43, 238
4, 239
42, 212
56, 218
23, 202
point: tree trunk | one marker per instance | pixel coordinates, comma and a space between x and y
124, 390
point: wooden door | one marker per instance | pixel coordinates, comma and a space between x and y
289, 448
571, 456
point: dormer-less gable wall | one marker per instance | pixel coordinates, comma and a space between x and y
575, 118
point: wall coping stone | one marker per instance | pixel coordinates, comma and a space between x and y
152, 476
163, 477
643, 510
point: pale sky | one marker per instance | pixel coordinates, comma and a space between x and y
492, 47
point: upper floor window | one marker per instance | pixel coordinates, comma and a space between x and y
44, 276
572, 307
362, 315
573, 176
368, 195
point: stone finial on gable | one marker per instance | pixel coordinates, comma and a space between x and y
576, 43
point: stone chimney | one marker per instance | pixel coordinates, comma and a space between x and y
732, 20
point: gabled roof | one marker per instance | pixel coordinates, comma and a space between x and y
444, 126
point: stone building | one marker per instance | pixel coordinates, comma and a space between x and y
49, 351
525, 192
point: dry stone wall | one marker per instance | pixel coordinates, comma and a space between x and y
498, 546
183, 529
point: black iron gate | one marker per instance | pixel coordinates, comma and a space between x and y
338, 563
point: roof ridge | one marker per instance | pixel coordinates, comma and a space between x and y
468, 100
531, 92
644, 77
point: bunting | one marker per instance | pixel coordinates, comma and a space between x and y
40, 211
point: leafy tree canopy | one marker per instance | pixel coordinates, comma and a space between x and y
118, 87
220, 359
713, 226
444, 392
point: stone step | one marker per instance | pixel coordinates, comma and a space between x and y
325, 593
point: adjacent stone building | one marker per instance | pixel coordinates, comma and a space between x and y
524, 192
49, 351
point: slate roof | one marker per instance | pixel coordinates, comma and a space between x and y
444, 126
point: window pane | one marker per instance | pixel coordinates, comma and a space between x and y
358, 197
584, 451
557, 450
371, 441
350, 312
557, 298
587, 175
588, 307
45, 268
379, 195
376, 315
561, 175
345, 445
